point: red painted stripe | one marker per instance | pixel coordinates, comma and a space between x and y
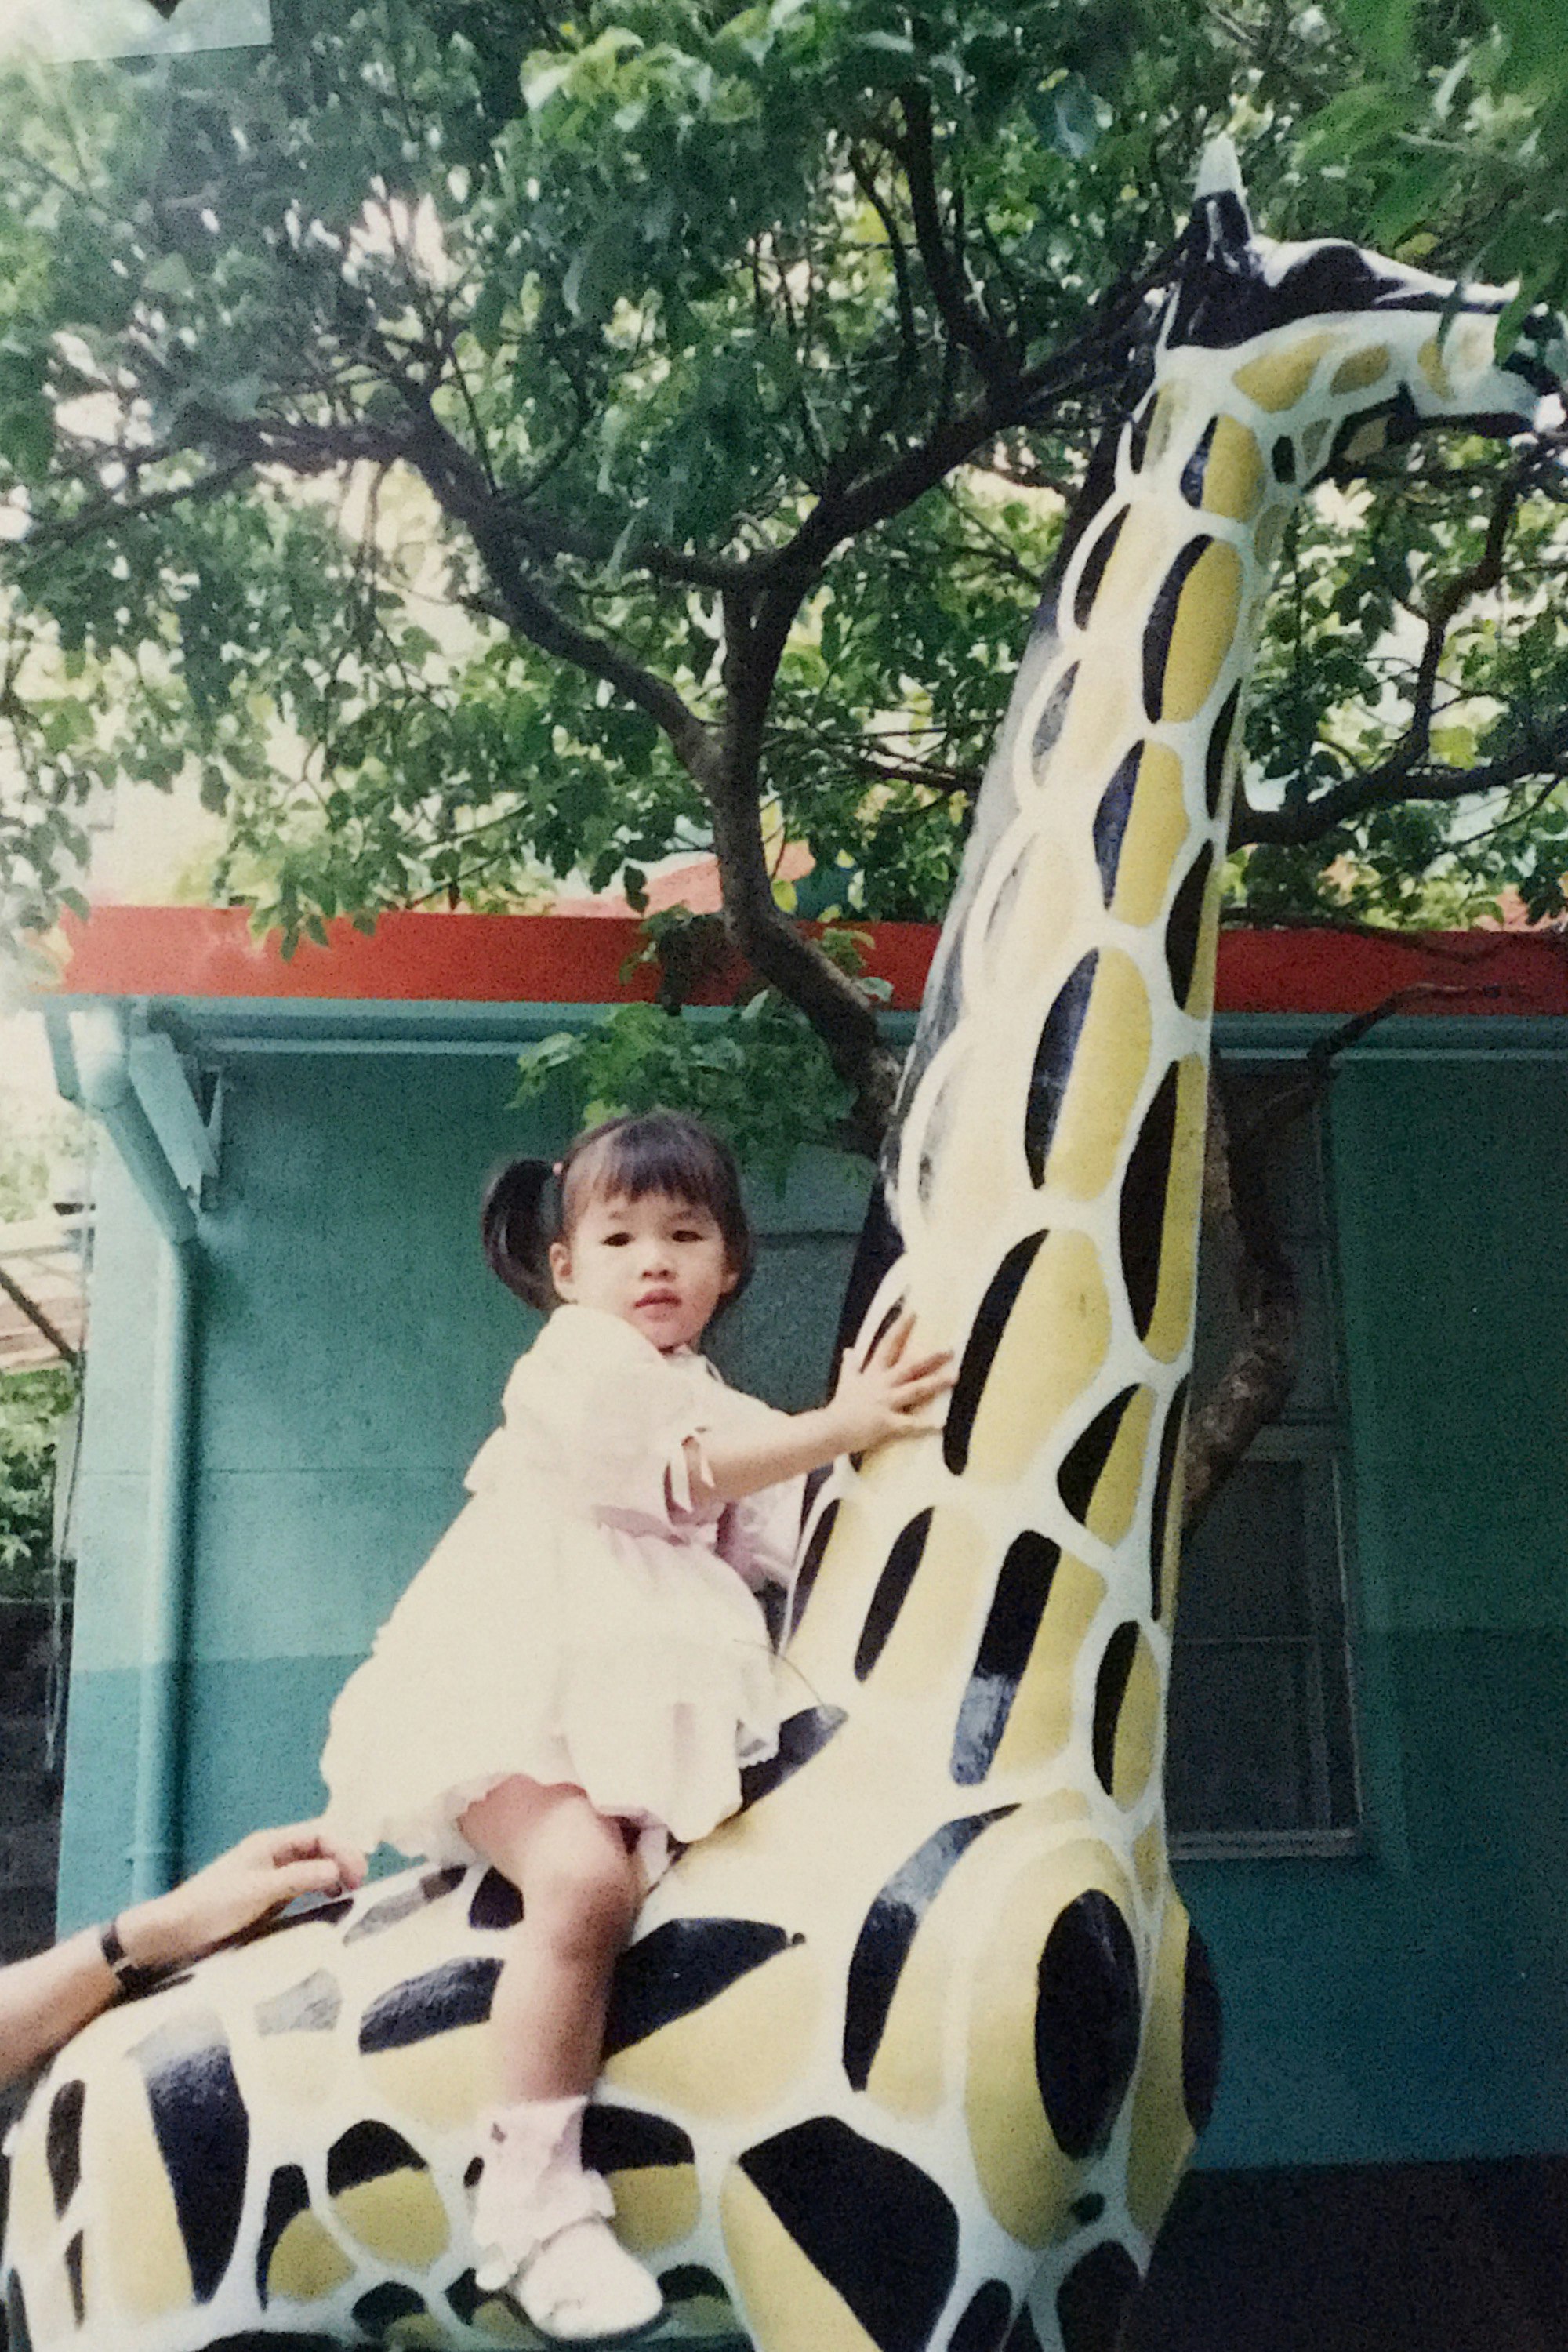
584, 959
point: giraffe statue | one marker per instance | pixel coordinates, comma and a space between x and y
909, 2056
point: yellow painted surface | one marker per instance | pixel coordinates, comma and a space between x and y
1026, 943
1162, 2136
1367, 439
1150, 536
307, 2262
656, 2204
1041, 1720
981, 1125
1433, 366
1137, 1727
30, 2216
439, 2082
1169, 408
1055, 1342
1276, 380
139, 2251
1108, 1069
1102, 719
1234, 477
399, 2217
937, 1620
738, 2053
1171, 1565
1362, 369
1024, 2175
1200, 992
1202, 632
1172, 1319
908, 2076
419, 2329
788, 2305
497, 2320
1149, 1859
845, 1580
1314, 441
1156, 828
295, 2069
1115, 1495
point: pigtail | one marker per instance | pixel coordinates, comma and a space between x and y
517, 1228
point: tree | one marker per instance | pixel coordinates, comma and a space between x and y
743, 362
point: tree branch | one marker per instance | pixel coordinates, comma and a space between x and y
964, 321
1543, 751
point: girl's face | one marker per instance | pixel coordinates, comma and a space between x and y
658, 1263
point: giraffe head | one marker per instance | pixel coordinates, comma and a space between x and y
1344, 351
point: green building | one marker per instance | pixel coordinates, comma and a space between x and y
295, 1349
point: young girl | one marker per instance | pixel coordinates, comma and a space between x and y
581, 1669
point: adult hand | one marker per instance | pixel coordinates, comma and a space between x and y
252, 1880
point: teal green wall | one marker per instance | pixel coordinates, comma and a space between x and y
353, 1348
1413, 2001
1410, 2001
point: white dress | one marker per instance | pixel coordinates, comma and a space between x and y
582, 1620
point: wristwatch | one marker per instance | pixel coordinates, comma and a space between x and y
131, 1977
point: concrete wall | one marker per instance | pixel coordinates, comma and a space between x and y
1413, 2000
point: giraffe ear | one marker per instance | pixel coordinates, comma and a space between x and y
1222, 225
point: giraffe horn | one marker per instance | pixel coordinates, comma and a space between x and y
1220, 217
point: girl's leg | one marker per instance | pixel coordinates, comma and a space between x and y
581, 1890
540, 2218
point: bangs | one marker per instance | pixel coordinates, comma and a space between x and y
661, 1152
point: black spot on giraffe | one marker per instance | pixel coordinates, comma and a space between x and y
311, 2006
368, 2151
1202, 2033
62, 2141
1401, 420
980, 1349
680, 1968
1094, 2298
428, 1889
1138, 434
1087, 1456
1143, 1202
497, 1905
1086, 2023
985, 2320
801, 1736
892, 1585
19, 2337
876, 2227
287, 2196
623, 2139
1086, 2211
73, 2277
888, 1931
1197, 467
204, 2137
1052, 1065
1164, 1485
1218, 745
1284, 458
376, 2311
1162, 620
1053, 718
1109, 1690
811, 1558
1186, 922
1023, 1588
1093, 572
465, 2297
1110, 819
458, 1992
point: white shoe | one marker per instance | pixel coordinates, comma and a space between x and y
542, 2225
582, 2285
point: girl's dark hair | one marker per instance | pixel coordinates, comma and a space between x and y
531, 1203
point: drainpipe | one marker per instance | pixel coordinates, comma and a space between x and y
99, 1048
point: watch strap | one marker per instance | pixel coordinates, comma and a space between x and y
130, 1978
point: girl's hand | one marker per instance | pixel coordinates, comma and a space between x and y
885, 1396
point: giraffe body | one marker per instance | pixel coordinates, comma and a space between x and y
912, 2052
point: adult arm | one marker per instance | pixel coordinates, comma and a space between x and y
46, 1999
